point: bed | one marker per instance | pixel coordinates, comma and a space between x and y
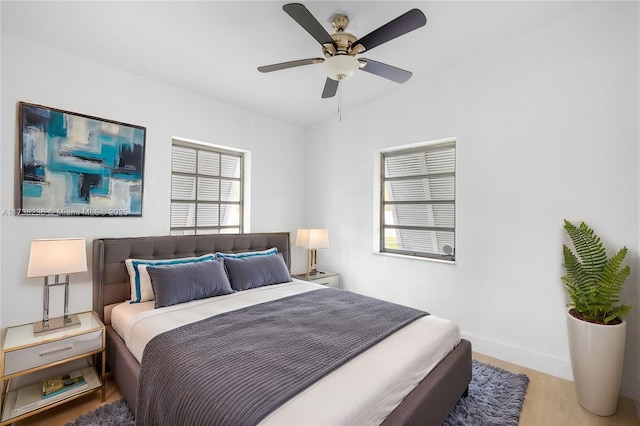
426, 402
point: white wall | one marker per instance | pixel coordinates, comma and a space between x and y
547, 129
38, 74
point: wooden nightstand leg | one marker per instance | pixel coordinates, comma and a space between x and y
6, 384
102, 375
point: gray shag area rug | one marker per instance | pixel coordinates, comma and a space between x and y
114, 414
495, 399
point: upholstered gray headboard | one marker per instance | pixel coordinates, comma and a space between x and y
110, 278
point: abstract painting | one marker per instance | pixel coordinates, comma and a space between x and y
77, 165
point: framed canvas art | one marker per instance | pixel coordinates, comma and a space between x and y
77, 165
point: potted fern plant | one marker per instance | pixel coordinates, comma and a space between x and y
595, 319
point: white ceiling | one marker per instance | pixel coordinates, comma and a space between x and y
214, 47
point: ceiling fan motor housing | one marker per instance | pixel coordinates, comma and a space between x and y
341, 40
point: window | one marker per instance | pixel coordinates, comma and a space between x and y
207, 187
417, 200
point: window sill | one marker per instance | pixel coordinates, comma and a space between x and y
405, 256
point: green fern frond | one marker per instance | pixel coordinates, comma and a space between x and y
588, 246
617, 312
594, 282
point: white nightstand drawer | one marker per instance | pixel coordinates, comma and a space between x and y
47, 353
332, 281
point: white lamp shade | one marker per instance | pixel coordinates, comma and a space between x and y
57, 257
312, 238
340, 67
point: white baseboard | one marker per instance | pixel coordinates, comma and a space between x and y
536, 361
540, 362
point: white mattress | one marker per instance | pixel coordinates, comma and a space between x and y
363, 391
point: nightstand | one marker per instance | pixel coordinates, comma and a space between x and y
330, 279
27, 359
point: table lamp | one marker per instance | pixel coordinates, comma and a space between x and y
312, 239
55, 257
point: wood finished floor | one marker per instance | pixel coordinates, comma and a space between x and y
550, 401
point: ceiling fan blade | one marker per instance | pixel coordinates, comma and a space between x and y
290, 64
302, 16
330, 88
386, 71
403, 24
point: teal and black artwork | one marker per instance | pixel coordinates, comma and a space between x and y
78, 165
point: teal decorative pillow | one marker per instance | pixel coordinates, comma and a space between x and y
246, 254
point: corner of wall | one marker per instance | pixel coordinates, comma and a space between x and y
534, 360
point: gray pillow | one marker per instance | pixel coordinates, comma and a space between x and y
251, 272
179, 283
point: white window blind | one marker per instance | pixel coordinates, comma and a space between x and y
206, 189
417, 212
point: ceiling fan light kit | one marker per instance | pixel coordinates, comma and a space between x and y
341, 48
340, 67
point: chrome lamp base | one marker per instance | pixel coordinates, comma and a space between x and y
67, 320
312, 255
55, 323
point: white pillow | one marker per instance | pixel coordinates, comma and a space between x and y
141, 289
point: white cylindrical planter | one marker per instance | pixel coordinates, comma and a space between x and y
597, 356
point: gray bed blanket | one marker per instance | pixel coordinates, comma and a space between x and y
238, 367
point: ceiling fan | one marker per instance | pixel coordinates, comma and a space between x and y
340, 49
